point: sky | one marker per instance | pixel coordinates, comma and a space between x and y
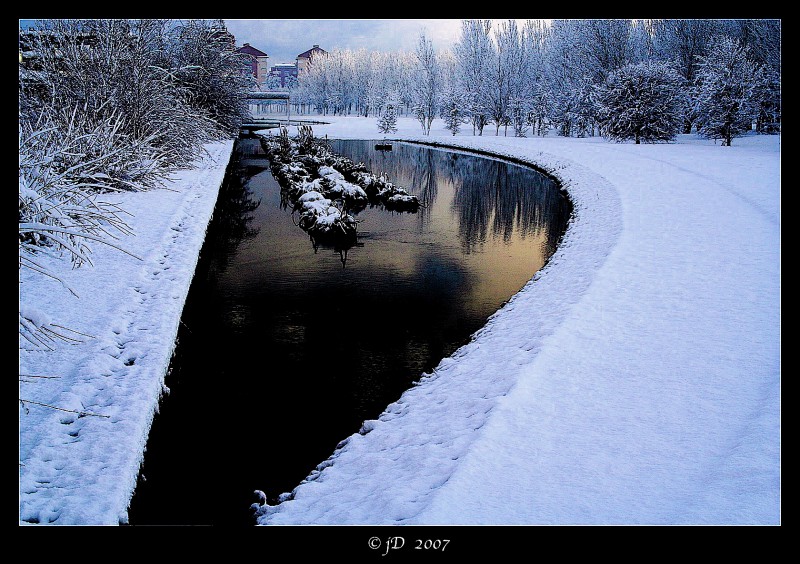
283, 40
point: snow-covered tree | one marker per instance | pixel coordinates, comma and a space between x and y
473, 53
580, 55
452, 99
506, 69
768, 94
427, 83
290, 82
725, 93
520, 115
314, 85
641, 43
540, 107
644, 102
453, 109
273, 82
364, 75
763, 40
608, 45
683, 42
584, 108
531, 100
387, 122
208, 65
567, 75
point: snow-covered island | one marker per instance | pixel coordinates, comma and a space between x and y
635, 380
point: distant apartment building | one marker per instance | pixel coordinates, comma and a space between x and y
258, 62
283, 74
304, 59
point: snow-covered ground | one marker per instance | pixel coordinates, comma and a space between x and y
634, 380
82, 470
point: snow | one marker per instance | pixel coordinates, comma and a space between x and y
340, 185
634, 380
82, 469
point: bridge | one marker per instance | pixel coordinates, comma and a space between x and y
269, 121
258, 121
269, 95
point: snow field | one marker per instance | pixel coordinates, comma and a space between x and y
634, 380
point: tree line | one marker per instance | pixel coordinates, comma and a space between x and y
645, 80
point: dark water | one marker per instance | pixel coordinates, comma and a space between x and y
284, 351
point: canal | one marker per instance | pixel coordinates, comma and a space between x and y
285, 347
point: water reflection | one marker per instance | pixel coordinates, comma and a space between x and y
490, 196
236, 205
283, 353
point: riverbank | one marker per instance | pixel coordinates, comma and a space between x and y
81, 470
635, 380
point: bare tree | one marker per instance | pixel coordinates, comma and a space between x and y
427, 85
474, 53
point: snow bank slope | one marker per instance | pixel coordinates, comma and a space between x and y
635, 380
82, 470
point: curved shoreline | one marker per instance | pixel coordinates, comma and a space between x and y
639, 380
465, 399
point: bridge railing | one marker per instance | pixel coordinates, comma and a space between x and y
258, 100
265, 120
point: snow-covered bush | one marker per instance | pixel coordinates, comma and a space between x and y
59, 186
306, 167
209, 72
60, 210
644, 102
387, 122
725, 95
176, 85
110, 105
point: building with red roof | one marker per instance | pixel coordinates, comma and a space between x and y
304, 58
258, 62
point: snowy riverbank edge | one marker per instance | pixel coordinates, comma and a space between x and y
418, 442
82, 470
488, 438
634, 380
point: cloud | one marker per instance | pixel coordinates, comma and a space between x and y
283, 40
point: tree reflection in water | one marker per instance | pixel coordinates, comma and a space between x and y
491, 197
233, 214
282, 354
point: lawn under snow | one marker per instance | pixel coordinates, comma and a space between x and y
634, 380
